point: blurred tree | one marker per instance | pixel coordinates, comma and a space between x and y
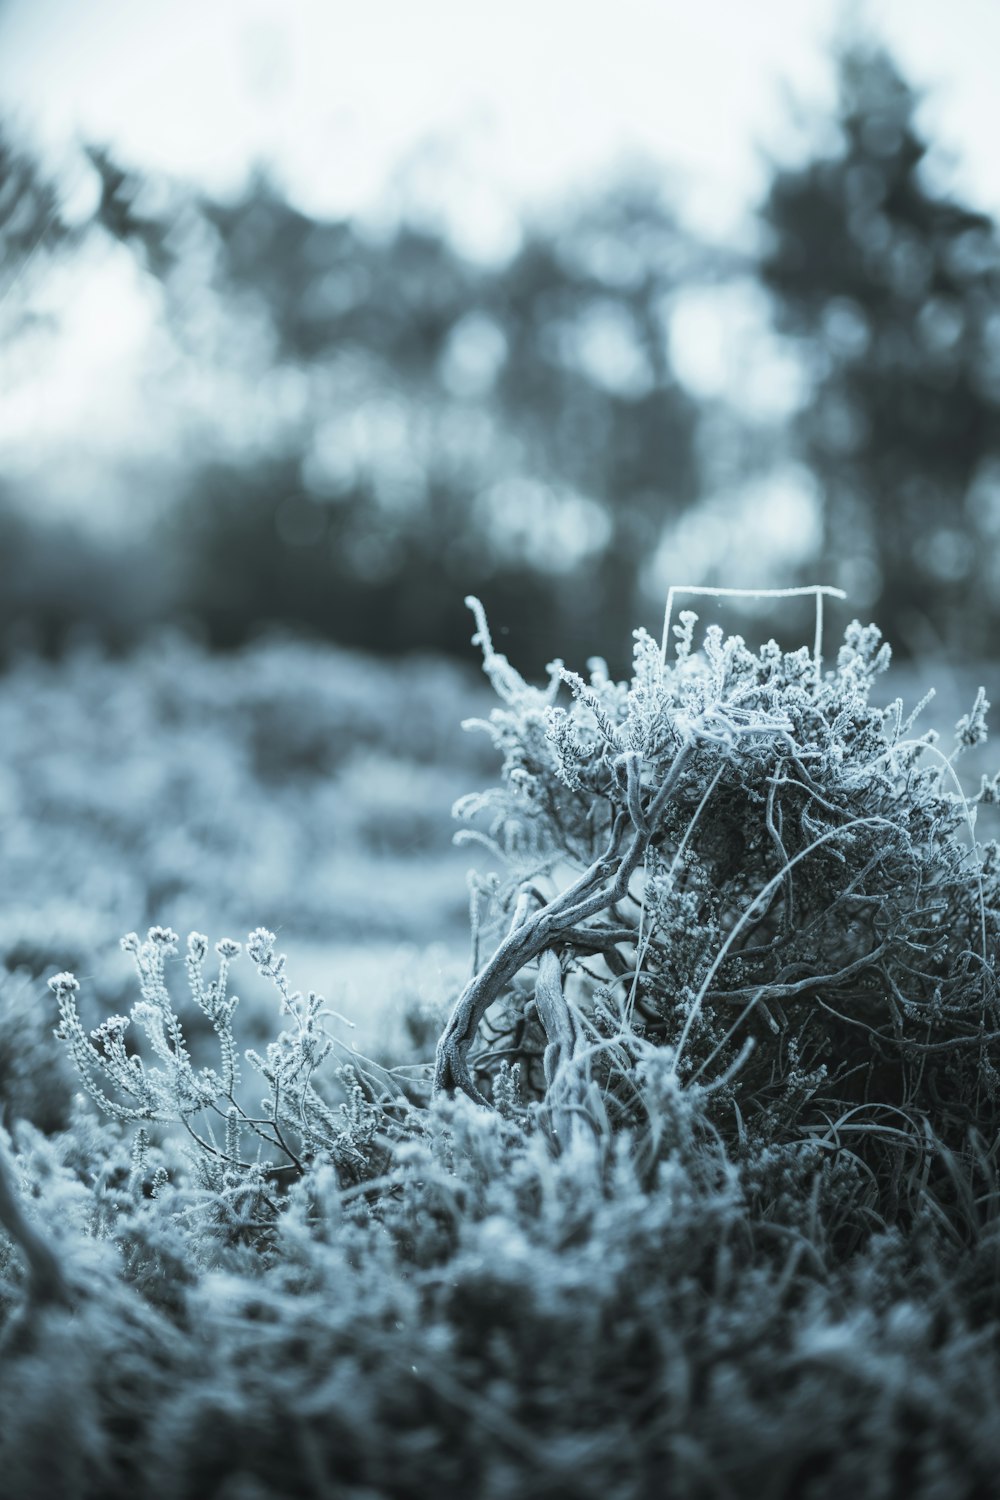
514, 430
894, 289
35, 602
29, 206
118, 212
31, 222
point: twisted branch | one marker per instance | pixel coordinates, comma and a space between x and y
553, 923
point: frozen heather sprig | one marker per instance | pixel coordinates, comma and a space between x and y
684, 633
100, 1056
587, 695
569, 752
863, 656
164, 938
508, 683
223, 1004
649, 717
260, 948
66, 987
197, 948
197, 944
297, 1122
989, 790
971, 729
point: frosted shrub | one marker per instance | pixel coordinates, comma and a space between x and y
234, 1145
704, 1201
736, 858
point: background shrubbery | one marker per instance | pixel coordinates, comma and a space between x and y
298, 781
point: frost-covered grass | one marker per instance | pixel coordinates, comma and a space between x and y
298, 784
706, 1202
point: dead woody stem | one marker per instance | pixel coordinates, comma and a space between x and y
553, 923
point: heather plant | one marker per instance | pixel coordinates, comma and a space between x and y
737, 858
236, 1147
699, 1196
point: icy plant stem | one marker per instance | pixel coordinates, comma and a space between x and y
545, 928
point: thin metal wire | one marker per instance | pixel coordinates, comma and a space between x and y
818, 590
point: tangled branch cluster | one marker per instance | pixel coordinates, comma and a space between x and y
736, 858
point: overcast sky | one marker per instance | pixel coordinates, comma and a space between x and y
537, 95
